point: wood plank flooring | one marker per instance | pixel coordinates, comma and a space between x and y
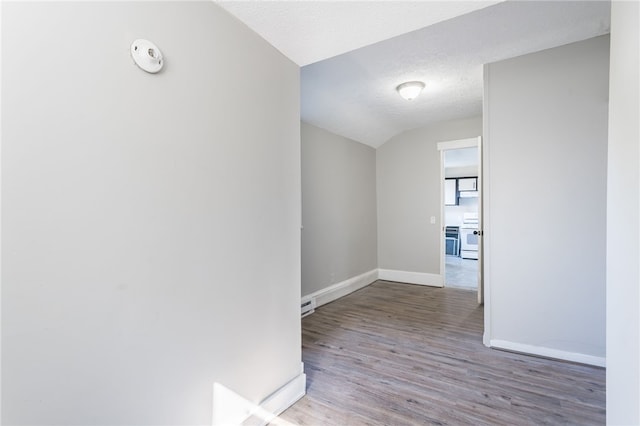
400, 354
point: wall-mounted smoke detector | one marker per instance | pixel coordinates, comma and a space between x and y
147, 56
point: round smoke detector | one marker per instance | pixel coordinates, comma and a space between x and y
147, 56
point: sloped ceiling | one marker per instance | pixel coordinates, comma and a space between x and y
308, 31
352, 92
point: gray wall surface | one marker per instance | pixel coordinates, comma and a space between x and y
545, 197
339, 239
623, 218
408, 180
150, 223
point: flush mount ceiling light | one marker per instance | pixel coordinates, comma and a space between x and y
410, 90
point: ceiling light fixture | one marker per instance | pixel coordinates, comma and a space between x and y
410, 90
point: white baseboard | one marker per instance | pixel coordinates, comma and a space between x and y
548, 352
341, 289
420, 278
229, 408
286, 396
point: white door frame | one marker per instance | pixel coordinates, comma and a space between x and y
457, 144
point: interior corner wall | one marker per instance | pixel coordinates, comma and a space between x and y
408, 181
623, 218
150, 223
545, 162
339, 236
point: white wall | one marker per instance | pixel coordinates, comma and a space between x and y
339, 238
623, 238
465, 171
454, 215
150, 223
408, 181
545, 198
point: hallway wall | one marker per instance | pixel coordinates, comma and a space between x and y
408, 184
623, 218
545, 163
150, 223
339, 236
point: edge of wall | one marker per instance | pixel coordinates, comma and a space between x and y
548, 352
420, 278
341, 289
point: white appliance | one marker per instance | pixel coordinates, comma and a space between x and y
469, 236
468, 194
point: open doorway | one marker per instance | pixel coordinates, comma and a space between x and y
460, 172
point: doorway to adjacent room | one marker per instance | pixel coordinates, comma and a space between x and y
461, 201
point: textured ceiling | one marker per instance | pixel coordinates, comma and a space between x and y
353, 94
308, 31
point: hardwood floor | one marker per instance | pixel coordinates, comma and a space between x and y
400, 354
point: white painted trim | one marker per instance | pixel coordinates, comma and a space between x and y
486, 212
230, 408
480, 223
286, 396
341, 289
442, 223
457, 144
548, 352
420, 278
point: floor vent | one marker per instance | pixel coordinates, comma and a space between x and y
308, 306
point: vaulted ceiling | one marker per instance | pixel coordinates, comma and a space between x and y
354, 54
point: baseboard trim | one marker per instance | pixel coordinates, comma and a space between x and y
420, 278
341, 289
229, 408
548, 352
286, 396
